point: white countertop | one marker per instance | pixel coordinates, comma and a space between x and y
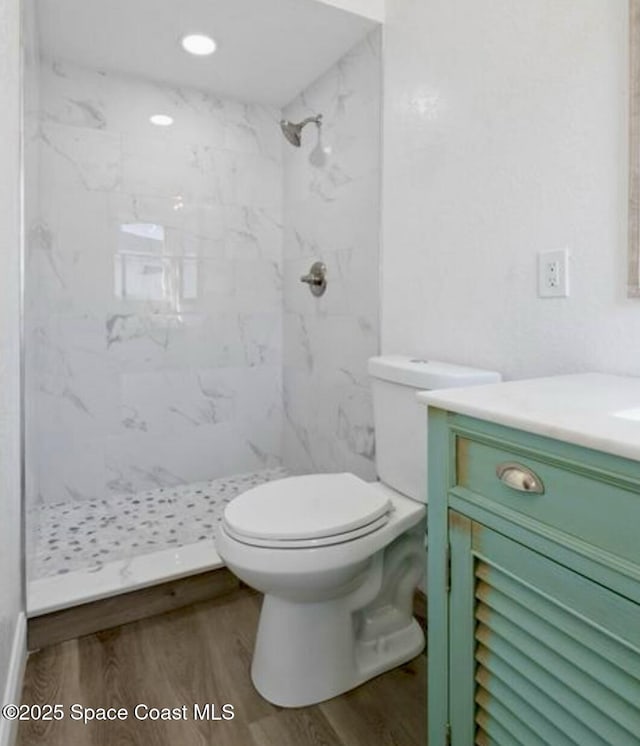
594, 410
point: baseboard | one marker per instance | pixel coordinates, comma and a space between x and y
13, 688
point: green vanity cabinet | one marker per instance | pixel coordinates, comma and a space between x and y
534, 589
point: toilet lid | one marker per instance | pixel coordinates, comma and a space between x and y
309, 507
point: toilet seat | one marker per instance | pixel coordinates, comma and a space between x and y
309, 511
310, 543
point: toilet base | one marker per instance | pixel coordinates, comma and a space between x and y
318, 657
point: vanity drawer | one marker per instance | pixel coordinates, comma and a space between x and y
592, 505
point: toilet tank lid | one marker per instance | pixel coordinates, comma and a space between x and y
427, 374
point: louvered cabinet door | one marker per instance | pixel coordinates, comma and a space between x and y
539, 654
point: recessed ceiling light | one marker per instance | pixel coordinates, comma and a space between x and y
161, 120
198, 44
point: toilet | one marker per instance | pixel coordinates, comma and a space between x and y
337, 558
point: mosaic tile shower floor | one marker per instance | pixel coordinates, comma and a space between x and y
87, 535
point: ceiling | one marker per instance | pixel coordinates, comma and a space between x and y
268, 50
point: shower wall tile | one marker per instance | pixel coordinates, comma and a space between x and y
179, 400
225, 339
328, 426
71, 467
332, 207
219, 450
154, 287
104, 101
77, 158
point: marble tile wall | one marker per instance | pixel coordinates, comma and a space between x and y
154, 288
332, 208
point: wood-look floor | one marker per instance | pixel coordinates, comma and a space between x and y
202, 654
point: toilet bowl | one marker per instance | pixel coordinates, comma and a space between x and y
338, 559
338, 602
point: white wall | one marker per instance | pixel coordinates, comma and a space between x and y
153, 359
332, 208
506, 134
11, 576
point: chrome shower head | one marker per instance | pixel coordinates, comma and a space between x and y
293, 132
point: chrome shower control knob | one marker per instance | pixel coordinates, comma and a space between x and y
316, 278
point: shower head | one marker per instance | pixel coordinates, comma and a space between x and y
293, 132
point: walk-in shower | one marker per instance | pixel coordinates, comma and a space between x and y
173, 359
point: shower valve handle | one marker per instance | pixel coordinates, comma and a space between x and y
316, 278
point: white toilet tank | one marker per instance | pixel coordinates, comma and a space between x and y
401, 422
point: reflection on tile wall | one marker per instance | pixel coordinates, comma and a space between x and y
154, 288
332, 206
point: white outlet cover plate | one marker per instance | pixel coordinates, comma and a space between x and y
553, 274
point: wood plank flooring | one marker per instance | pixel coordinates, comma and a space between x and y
202, 654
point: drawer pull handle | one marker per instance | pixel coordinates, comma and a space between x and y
519, 478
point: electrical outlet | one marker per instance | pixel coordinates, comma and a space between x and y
553, 274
